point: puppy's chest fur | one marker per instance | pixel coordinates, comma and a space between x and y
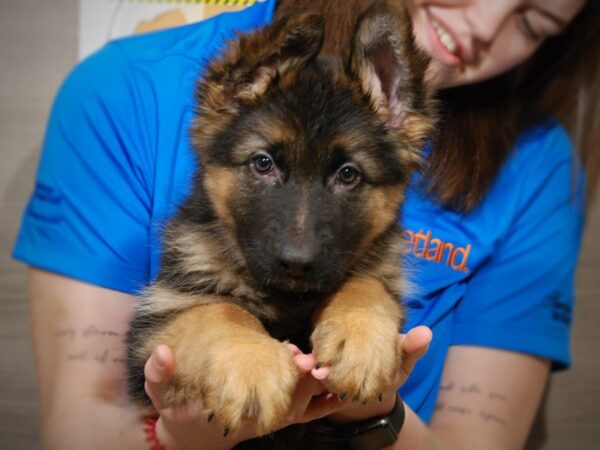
284, 316
201, 263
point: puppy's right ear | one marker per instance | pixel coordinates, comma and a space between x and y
251, 62
391, 70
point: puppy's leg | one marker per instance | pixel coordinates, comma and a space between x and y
223, 354
356, 334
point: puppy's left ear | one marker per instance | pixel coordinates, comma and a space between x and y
253, 61
391, 70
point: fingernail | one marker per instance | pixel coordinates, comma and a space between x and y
320, 374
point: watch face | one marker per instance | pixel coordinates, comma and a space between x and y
372, 425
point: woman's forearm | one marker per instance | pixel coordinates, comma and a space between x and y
416, 435
88, 423
92, 425
488, 399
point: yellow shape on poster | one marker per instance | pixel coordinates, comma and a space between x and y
203, 9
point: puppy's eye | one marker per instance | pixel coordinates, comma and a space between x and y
263, 164
348, 175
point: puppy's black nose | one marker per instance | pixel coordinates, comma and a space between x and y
297, 260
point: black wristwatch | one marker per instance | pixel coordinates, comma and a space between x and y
378, 432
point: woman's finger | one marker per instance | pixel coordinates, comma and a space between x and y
303, 394
294, 349
414, 345
158, 370
322, 406
305, 363
306, 387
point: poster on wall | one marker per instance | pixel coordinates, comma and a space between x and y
103, 20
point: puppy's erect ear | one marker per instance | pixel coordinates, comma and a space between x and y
253, 61
391, 69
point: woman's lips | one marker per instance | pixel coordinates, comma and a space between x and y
445, 48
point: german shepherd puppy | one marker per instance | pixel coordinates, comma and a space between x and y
290, 232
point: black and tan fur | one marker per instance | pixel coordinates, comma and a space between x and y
308, 251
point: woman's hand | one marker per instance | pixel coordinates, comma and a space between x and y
188, 426
182, 426
414, 345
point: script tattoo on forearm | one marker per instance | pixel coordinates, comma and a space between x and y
464, 391
91, 343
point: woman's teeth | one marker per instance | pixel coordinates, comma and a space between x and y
445, 37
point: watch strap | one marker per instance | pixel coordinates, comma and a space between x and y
377, 432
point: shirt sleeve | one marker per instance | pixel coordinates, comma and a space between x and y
521, 299
89, 214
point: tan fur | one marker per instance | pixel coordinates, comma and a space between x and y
225, 356
287, 79
340, 20
356, 334
396, 30
382, 213
220, 183
354, 142
268, 130
161, 300
275, 130
219, 262
384, 265
208, 125
416, 128
249, 52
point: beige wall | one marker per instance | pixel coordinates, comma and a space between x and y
38, 45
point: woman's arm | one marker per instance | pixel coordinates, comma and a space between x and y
79, 341
78, 335
488, 399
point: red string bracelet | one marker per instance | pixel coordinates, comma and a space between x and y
150, 432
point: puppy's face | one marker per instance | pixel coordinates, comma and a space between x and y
308, 162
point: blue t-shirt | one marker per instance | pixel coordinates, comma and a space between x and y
117, 161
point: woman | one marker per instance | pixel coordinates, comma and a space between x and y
494, 226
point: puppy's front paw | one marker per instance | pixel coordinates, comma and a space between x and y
362, 351
249, 378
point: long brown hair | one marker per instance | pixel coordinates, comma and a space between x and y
480, 123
